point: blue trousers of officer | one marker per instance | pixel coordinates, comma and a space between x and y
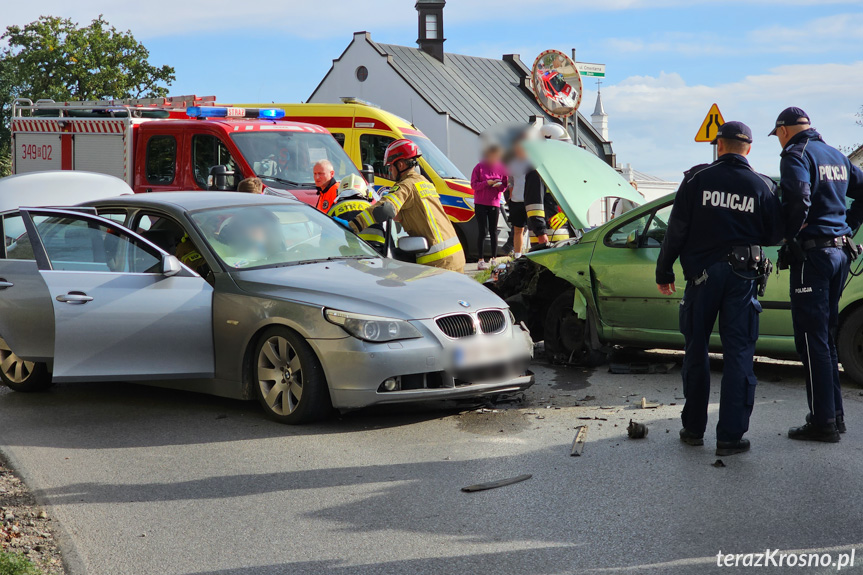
733, 299
816, 285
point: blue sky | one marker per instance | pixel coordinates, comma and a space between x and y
668, 60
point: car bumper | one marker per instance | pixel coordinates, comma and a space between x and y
424, 367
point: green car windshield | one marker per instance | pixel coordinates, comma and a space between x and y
442, 166
246, 237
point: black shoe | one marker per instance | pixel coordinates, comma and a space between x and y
840, 422
732, 447
690, 438
812, 432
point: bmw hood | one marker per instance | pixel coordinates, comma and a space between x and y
378, 286
577, 178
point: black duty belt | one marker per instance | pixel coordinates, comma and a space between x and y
823, 242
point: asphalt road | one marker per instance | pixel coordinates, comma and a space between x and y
151, 481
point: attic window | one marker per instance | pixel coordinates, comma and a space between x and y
362, 73
431, 27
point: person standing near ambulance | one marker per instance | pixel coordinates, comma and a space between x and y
325, 181
815, 179
414, 202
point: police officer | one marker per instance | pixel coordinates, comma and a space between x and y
414, 202
722, 214
815, 178
353, 199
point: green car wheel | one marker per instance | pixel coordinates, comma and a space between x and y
567, 336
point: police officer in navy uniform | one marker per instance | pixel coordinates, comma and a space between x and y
723, 213
815, 179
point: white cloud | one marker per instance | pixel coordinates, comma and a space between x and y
653, 120
311, 19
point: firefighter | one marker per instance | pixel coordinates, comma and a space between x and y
547, 224
414, 202
353, 199
326, 184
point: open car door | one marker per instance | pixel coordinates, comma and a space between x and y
123, 309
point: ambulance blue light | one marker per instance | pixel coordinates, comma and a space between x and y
271, 113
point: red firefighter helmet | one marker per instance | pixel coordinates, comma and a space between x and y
402, 149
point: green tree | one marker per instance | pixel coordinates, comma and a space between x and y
55, 58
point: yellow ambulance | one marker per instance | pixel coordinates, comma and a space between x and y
365, 130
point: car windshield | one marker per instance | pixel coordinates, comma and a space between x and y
436, 159
258, 236
286, 159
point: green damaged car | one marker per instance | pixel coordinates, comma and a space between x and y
586, 295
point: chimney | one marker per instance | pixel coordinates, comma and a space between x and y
599, 118
430, 39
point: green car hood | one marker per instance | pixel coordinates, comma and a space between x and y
577, 178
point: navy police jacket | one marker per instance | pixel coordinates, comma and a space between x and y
815, 179
718, 206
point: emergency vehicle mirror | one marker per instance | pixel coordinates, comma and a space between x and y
413, 245
218, 179
368, 173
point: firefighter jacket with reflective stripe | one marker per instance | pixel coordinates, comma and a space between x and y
534, 203
349, 209
421, 214
327, 196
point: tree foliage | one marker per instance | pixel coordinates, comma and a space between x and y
55, 58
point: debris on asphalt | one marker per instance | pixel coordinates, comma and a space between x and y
718, 463
594, 418
222, 416
496, 484
578, 442
24, 527
648, 405
636, 430
587, 398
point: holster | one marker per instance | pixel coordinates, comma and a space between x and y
852, 249
745, 258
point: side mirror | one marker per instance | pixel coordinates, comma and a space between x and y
218, 179
632, 239
368, 173
413, 245
171, 266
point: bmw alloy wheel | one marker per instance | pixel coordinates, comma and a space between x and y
280, 375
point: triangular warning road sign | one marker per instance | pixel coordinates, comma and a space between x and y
710, 125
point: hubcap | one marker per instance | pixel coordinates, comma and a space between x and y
280, 375
14, 368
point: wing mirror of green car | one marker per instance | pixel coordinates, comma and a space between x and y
632, 239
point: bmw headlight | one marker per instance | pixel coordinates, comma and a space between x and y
372, 328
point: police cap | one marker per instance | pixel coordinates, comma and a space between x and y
734, 131
790, 117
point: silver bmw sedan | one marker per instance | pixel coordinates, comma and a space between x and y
242, 296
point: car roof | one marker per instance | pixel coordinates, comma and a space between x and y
57, 188
191, 201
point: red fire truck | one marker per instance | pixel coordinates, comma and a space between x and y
180, 143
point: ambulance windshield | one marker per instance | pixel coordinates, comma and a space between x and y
442, 166
288, 158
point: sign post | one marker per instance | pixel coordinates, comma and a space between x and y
710, 126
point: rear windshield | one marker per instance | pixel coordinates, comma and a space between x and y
288, 158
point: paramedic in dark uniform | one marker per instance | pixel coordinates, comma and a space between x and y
815, 178
723, 213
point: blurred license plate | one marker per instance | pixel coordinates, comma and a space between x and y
474, 354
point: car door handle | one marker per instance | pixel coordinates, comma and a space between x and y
74, 297
4, 284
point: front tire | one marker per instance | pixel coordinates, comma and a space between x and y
21, 375
288, 378
850, 345
567, 337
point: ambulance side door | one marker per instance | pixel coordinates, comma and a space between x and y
372, 144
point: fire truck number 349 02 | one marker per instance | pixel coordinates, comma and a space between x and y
34, 152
